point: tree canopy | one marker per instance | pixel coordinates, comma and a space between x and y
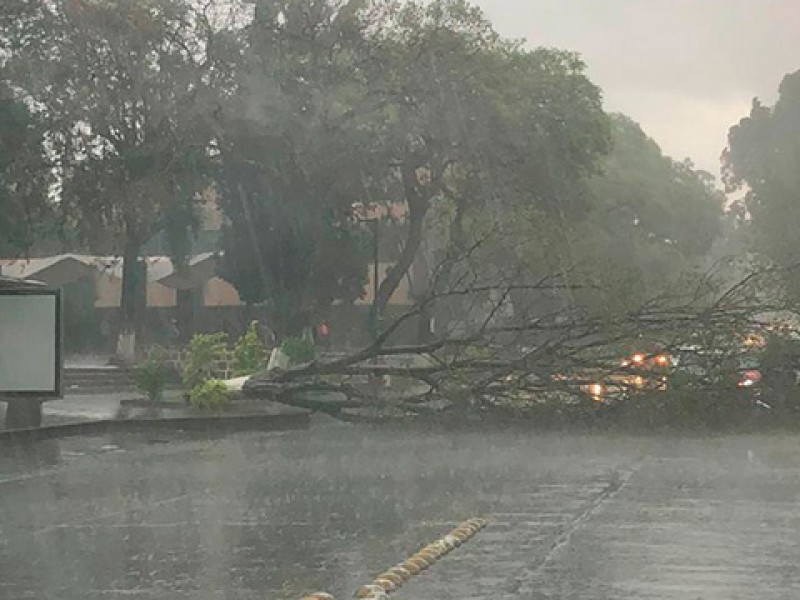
308, 118
120, 88
640, 223
652, 219
24, 176
481, 123
294, 150
763, 160
367, 104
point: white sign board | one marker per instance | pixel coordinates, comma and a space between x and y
30, 343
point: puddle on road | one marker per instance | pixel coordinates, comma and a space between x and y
278, 515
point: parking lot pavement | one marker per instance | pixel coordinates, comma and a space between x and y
688, 527
673, 527
279, 515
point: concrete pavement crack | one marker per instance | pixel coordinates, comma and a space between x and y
524, 585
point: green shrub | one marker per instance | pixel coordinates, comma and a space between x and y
249, 353
299, 350
152, 375
209, 395
205, 351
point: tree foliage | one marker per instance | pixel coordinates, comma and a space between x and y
763, 159
24, 177
249, 353
638, 225
203, 357
480, 123
306, 117
662, 200
307, 109
651, 222
122, 90
412, 104
292, 155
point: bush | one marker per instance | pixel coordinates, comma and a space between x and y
152, 375
299, 350
249, 353
205, 351
209, 395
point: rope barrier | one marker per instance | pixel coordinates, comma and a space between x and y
392, 579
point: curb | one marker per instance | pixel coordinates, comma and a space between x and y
392, 579
206, 424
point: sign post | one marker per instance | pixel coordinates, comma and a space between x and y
31, 361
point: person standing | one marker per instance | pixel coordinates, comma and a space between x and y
323, 335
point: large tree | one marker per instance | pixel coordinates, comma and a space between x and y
421, 105
763, 159
24, 176
122, 87
475, 125
650, 223
669, 202
296, 147
640, 226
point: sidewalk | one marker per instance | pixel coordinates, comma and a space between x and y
79, 408
76, 408
84, 407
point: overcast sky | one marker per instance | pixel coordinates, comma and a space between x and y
685, 69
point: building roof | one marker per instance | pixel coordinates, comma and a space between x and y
66, 268
24, 268
200, 269
10, 283
54, 270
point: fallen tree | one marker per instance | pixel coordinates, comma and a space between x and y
493, 352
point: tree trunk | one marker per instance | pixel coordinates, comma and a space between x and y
184, 308
418, 206
424, 327
133, 302
418, 283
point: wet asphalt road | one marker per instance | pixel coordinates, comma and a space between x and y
276, 515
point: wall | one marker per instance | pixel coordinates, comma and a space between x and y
223, 369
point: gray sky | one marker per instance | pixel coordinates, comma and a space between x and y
685, 69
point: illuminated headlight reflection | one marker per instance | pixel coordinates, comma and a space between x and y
662, 360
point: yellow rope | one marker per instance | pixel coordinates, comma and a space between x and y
392, 579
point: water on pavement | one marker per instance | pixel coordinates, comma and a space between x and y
277, 515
